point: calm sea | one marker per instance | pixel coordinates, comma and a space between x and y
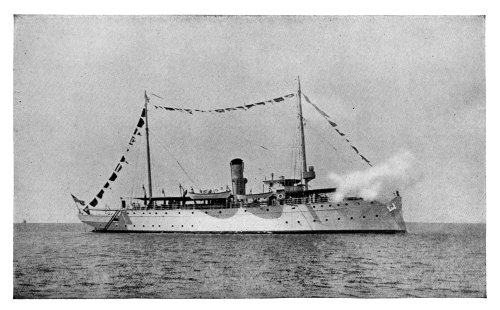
69, 261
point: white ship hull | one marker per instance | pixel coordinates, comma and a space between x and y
347, 216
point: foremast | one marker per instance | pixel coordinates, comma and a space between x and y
150, 184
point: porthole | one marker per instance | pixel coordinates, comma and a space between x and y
192, 212
346, 203
116, 225
371, 202
351, 217
133, 212
245, 210
338, 204
329, 205
182, 225
166, 213
172, 225
192, 226
314, 220
143, 213
179, 213
376, 215
143, 226
286, 222
314, 207
152, 225
134, 225
149, 212
220, 211
339, 218
322, 206
159, 225
298, 222
267, 209
207, 212
364, 216
125, 225
326, 220
156, 212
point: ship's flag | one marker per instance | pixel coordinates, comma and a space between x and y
340, 133
106, 185
101, 193
113, 177
332, 123
289, 96
122, 160
143, 112
260, 103
366, 160
94, 202
118, 168
132, 140
355, 149
86, 209
141, 122
81, 202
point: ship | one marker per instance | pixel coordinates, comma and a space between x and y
288, 205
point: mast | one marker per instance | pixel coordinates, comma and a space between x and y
302, 138
150, 185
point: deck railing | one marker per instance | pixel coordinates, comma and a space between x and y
229, 205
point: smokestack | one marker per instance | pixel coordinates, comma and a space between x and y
238, 181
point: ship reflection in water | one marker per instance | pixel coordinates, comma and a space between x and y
431, 260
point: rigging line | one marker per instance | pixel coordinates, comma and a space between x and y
244, 138
294, 158
178, 163
136, 168
327, 117
157, 96
318, 133
349, 159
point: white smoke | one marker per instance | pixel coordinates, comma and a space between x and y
380, 181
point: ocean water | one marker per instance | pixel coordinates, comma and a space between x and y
69, 261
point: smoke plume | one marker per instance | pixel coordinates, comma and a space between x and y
380, 181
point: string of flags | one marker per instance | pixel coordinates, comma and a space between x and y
224, 110
335, 126
114, 175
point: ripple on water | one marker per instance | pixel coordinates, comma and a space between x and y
79, 264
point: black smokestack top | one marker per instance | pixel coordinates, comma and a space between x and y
237, 179
236, 161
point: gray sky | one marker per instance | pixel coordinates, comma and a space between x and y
392, 83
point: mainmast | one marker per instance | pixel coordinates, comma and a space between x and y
150, 185
306, 175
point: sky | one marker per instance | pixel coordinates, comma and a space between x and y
393, 84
